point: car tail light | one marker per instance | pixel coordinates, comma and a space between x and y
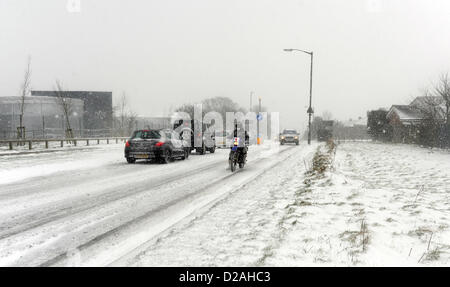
159, 143
127, 144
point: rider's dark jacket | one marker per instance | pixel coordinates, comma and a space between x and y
247, 137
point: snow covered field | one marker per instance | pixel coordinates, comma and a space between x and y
379, 205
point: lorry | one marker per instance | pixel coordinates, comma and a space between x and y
206, 137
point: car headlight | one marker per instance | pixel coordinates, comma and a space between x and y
282, 137
295, 137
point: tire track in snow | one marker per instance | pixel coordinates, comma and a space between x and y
116, 193
141, 219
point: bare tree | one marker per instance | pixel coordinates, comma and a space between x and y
186, 108
123, 112
124, 118
66, 106
131, 121
442, 89
120, 114
222, 105
430, 106
327, 116
433, 117
24, 89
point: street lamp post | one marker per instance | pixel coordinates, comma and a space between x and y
310, 109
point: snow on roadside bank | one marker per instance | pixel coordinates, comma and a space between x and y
378, 205
15, 168
381, 205
404, 193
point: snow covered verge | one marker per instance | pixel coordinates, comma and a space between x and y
23, 166
357, 204
53, 146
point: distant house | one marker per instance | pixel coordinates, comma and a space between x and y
405, 121
409, 121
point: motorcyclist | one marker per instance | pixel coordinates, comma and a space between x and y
238, 132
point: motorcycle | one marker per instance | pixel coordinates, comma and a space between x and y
237, 155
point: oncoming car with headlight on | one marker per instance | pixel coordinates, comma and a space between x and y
289, 136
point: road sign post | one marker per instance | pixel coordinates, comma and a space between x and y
259, 118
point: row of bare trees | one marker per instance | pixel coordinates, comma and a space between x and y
221, 105
64, 102
124, 119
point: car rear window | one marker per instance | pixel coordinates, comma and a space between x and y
146, 134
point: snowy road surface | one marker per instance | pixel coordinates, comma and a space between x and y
379, 205
91, 207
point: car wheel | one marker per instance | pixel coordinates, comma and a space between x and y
297, 143
212, 150
131, 160
165, 157
282, 143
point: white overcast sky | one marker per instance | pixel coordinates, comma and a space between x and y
368, 53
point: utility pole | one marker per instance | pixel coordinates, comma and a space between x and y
310, 110
251, 98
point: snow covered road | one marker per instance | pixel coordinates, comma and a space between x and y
379, 204
92, 207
